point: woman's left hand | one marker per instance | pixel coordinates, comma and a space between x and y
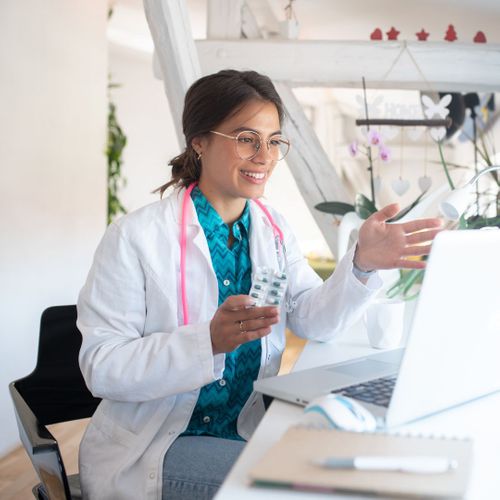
386, 246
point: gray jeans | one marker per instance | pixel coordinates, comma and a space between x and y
195, 466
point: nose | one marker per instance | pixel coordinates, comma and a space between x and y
263, 155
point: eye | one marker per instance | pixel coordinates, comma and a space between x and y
247, 138
275, 141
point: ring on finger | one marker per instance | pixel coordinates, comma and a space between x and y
242, 329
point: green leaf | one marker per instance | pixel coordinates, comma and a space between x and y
334, 207
477, 222
445, 166
404, 284
462, 222
407, 209
363, 206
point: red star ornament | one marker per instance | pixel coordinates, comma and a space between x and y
480, 37
392, 34
376, 34
422, 35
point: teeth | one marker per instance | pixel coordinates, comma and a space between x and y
255, 175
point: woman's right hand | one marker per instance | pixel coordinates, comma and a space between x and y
236, 321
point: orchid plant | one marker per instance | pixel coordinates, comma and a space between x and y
364, 206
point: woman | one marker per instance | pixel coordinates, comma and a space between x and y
170, 340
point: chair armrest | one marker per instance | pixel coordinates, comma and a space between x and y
34, 435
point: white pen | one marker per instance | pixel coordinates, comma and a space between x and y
413, 464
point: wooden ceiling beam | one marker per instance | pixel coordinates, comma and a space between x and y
176, 53
429, 66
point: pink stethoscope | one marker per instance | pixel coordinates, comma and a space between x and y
278, 238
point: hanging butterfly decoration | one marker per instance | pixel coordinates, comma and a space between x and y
374, 106
437, 109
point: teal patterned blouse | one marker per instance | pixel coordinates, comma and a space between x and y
220, 402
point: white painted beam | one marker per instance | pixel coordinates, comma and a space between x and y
316, 178
176, 52
224, 19
249, 26
265, 17
404, 65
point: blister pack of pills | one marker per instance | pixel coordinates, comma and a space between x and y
268, 287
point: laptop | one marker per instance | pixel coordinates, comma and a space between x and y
452, 349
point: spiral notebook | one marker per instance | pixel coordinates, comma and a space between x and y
290, 463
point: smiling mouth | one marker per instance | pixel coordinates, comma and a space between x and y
254, 175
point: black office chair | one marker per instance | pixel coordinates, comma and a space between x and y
54, 392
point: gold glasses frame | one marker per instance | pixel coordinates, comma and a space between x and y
261, 141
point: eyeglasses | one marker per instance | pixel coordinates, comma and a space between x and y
249, 143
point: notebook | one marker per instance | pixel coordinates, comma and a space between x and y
291, 463
453, 343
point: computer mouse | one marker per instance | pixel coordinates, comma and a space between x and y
341, 412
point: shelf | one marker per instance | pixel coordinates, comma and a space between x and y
442, 66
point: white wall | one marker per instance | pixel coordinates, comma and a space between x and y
53, 60
144, 115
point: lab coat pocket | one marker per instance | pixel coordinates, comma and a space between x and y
113, 430
275, 347
250, 416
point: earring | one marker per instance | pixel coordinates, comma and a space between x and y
198, 157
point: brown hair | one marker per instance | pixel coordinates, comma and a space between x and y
209, 101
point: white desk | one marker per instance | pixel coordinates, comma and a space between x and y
479, 420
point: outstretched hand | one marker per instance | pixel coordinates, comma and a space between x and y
383, 245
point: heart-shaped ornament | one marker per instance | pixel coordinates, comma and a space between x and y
438, 133
414, 133
424, 183
400, 186
390, 133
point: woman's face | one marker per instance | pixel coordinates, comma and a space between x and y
224, 176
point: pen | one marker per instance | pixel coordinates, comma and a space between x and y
413, 464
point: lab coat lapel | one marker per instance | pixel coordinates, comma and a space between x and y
262, 246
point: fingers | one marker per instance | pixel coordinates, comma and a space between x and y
237, 321
237, 303
386, 213
416, 250
257, 324
422, 224
254, 334
421, 236
256, 312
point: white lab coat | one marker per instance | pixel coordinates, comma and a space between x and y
147, 367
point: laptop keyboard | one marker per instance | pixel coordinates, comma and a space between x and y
377, 391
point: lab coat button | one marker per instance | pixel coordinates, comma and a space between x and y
222, 382
206, 419
226, 282
152, 475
